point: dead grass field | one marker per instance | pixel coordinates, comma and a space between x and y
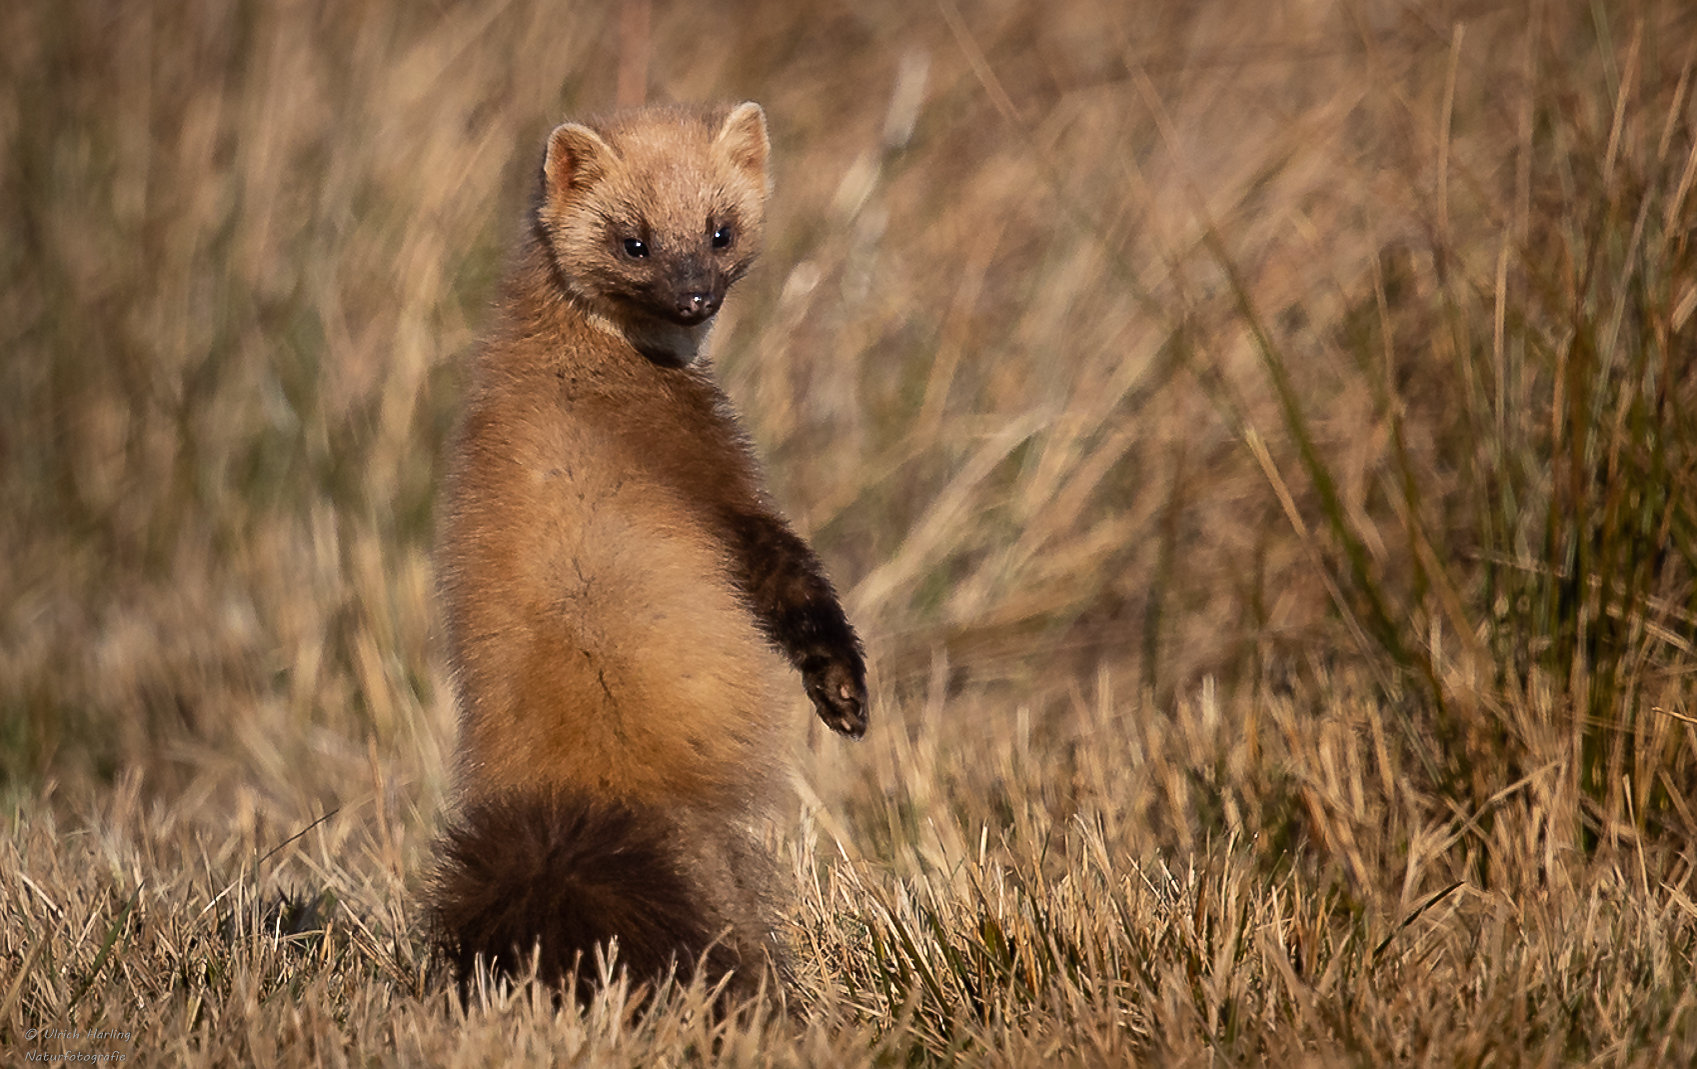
1258, 440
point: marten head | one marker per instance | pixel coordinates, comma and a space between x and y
651, 215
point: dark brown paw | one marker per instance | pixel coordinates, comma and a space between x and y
838, 690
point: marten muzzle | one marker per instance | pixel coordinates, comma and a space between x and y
693, 292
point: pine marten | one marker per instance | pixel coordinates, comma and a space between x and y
617, 585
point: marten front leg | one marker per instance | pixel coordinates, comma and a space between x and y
798, 610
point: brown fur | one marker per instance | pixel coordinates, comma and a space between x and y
570, 876
615, 581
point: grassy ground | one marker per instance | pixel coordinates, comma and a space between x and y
1259, 442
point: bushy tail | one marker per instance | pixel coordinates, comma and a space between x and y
559, 876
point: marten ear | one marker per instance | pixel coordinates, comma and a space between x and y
743, 140
576, 158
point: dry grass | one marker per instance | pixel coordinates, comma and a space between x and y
1258, 440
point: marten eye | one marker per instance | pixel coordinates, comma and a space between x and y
635, 248
722, 236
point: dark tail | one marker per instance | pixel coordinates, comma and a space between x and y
557, 877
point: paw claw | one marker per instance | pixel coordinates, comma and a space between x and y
838, 691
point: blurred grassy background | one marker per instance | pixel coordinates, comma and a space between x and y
1264, 423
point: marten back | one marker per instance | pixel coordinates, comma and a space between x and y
616, 586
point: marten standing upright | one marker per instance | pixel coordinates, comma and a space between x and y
615, 580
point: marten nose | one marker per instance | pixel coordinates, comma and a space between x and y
694, 307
